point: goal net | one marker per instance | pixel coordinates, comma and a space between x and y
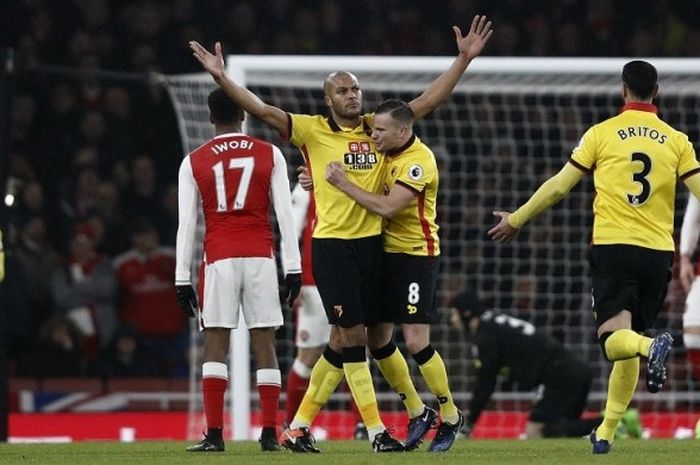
509, 125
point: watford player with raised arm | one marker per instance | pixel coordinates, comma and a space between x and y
636, 159
411, 257
347, 248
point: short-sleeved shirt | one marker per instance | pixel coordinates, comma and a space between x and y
322, 141
636, 159
413, 230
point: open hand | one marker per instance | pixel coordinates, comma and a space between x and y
503, 231
212, 63
473, 43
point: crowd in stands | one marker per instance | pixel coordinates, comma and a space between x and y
96, 155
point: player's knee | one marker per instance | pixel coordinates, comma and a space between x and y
333, 357
417, 338
353, 336
423, 355
602, 339
379, 335
415, 346
383, 352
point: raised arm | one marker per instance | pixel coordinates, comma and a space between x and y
251, 103
469, 47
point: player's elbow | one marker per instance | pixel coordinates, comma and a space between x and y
559, 189
388, 211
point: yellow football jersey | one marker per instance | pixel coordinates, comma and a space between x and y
413, 229
636, 159
322, 141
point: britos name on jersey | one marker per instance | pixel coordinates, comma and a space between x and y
359, 156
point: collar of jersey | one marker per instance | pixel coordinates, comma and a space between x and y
640, 106
394, 152
336, 128
228, 134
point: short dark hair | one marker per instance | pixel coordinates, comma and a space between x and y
398, 109
640, 78
467, 304
222, 108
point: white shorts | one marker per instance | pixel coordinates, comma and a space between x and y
691, 316
313, 329
232, 283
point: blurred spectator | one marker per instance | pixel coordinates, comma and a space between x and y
167, 224
142, 198
84, 290
108, 209
38, 261
57, 351
80, 194
126, 357
23, 121
147, 297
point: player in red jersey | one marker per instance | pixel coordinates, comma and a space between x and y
312, 328
236, 177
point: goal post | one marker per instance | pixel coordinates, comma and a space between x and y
509, 124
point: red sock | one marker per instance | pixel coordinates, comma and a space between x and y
269, 404
694, 359
213, 390
296, 388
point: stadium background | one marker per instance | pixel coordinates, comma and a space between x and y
80, 101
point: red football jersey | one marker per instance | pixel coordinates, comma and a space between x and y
234, 179
233, 173
147, 294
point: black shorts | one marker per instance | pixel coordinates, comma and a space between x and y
347, 276
628, 277
408, 289
566, 381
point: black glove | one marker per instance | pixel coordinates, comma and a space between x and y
293, 282
187, 299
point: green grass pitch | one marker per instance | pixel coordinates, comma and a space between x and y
542, 452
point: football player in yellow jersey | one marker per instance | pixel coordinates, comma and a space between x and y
636, 159
346, 240
410, 268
